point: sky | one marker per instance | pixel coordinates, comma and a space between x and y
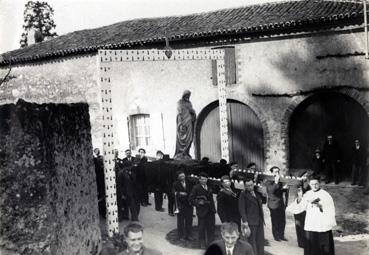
73, 15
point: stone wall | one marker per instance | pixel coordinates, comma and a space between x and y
68, 80
48, 195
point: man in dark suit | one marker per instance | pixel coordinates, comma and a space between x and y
251, 211
118, 161
125, 164
230, 243
331, 158
302, 187
228, 202
182, 190
141, 178
317, 162
169, 180
202, 197
155, 175
121, 203
129, 193
128, 160
99, 171
276, 204
358, 164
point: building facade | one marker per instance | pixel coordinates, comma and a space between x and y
292, 79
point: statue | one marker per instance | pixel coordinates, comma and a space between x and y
186, 117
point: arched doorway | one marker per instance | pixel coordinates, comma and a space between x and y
246, 140
320, 114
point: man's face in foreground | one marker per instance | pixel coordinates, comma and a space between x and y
134, 241
230, 239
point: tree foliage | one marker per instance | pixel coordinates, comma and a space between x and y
38, 16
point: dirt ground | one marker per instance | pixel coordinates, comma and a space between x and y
351, 234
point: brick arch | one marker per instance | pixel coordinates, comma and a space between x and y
285, 123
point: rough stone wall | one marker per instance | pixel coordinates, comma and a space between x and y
48, 196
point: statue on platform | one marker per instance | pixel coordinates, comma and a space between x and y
186, 117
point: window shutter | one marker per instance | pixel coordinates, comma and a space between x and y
157, 131
214, 72
130, 133
229, 66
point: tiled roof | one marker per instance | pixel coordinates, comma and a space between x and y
262, 19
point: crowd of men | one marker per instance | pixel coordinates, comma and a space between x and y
240, 210
132, 188
327, 162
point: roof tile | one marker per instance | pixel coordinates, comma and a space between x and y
246, 20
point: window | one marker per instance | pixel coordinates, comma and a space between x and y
140, 130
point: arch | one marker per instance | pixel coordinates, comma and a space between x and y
246, 134
320, 114
199, 124
234, 95
354, 94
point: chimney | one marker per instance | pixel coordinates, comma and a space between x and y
34, 36
31, 37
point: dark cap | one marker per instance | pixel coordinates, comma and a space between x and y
203, 174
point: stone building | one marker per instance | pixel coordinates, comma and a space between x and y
295, 71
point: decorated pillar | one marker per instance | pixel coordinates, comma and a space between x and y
108, 58
222, 94
108, 143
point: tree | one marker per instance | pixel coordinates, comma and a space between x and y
38, 17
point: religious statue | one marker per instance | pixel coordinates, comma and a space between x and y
186, 117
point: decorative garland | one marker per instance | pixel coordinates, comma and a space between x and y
239, 184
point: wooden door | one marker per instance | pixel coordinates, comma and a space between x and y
246, 143
208, 133
324, 113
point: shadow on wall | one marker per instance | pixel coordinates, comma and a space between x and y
247, 144
323, 67
245, 134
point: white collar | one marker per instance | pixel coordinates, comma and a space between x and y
230, 249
